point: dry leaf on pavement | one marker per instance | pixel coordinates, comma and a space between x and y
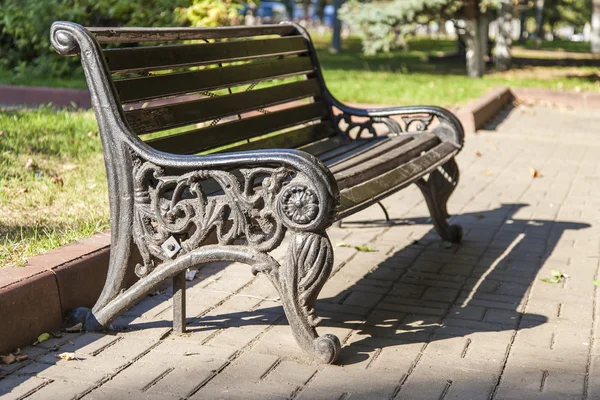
9, 359
66, 356
535, 173
477, 154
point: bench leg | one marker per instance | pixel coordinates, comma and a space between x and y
179, 303
307, 267
437, 190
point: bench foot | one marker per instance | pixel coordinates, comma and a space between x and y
437, 190
299, 280
82, 319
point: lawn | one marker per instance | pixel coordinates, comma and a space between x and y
52, 179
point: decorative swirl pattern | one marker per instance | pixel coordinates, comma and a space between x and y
189, 207
63, 38
348, 124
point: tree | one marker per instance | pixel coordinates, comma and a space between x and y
596, 26
504, 37
382, 25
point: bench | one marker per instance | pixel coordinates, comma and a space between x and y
218, 142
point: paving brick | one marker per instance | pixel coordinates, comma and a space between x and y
16, 387
60, 390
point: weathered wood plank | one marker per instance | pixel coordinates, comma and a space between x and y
390, 160
203, 139
288, 140
137, 35
377, 149
155, 119
383, 183
152, 58
151, 87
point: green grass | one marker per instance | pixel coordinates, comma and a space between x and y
558, 45
52, 181
407, 78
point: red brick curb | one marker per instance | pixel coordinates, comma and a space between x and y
475, 113
34, 96
35, 298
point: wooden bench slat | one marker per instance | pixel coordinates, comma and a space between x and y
323, 146
379, 148
151, 87
230, 132
383, 183
138, 35
347, 177
155, 119
289, 140
170, 56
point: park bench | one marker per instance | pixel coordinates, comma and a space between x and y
220, 141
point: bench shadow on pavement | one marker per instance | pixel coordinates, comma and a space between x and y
438, 293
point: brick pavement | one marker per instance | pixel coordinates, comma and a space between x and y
417, 321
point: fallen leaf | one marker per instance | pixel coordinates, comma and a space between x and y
596, 282
553, 280
366, 249
342, 244
57, 180
477, 154
91, 134
480, 216
9, 359
43, 337
22, 358
535, 173
29, 164
487, 172
66, 356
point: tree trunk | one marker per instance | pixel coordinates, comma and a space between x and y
475, 54
523, 20
336, 40
595, 26
539, 20
473, 39
504, 36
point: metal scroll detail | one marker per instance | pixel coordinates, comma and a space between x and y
307, 267
173, 214
357, 127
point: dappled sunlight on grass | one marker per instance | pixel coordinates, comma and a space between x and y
53, 183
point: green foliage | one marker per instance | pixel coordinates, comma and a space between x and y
212, 12
25, 26
383, 25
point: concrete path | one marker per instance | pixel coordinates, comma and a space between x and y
417, 320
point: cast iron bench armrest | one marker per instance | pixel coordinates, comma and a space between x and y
419, 117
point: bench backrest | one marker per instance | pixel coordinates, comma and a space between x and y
187, 91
